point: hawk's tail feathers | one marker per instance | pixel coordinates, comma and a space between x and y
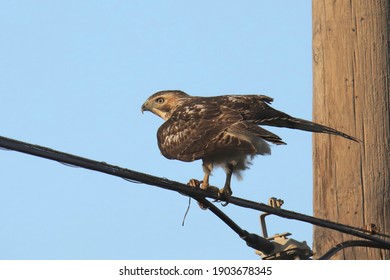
302, 124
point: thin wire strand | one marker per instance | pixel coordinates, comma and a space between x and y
187, 210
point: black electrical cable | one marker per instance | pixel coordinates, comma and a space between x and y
252, 240
351, 243
103, 167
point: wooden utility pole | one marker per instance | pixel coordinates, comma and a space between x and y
351, 94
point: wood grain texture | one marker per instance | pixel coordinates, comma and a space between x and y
351, 93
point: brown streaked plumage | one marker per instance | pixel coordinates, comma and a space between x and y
221, 130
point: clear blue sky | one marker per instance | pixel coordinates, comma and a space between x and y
73, 77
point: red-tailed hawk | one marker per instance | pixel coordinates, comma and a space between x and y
221, 130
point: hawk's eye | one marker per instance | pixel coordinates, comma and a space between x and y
160, 100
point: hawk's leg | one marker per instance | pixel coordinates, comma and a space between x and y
204, 185
207, 167
227, 190
196, 184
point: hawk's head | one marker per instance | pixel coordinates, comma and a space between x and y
163, 103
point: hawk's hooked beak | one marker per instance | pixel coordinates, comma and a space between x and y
144, 108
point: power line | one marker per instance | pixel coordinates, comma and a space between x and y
252, 240
196, 193
349, 243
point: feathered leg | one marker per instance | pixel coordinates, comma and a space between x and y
204, 185
207, 167
227, 190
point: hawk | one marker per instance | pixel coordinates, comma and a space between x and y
221, 130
